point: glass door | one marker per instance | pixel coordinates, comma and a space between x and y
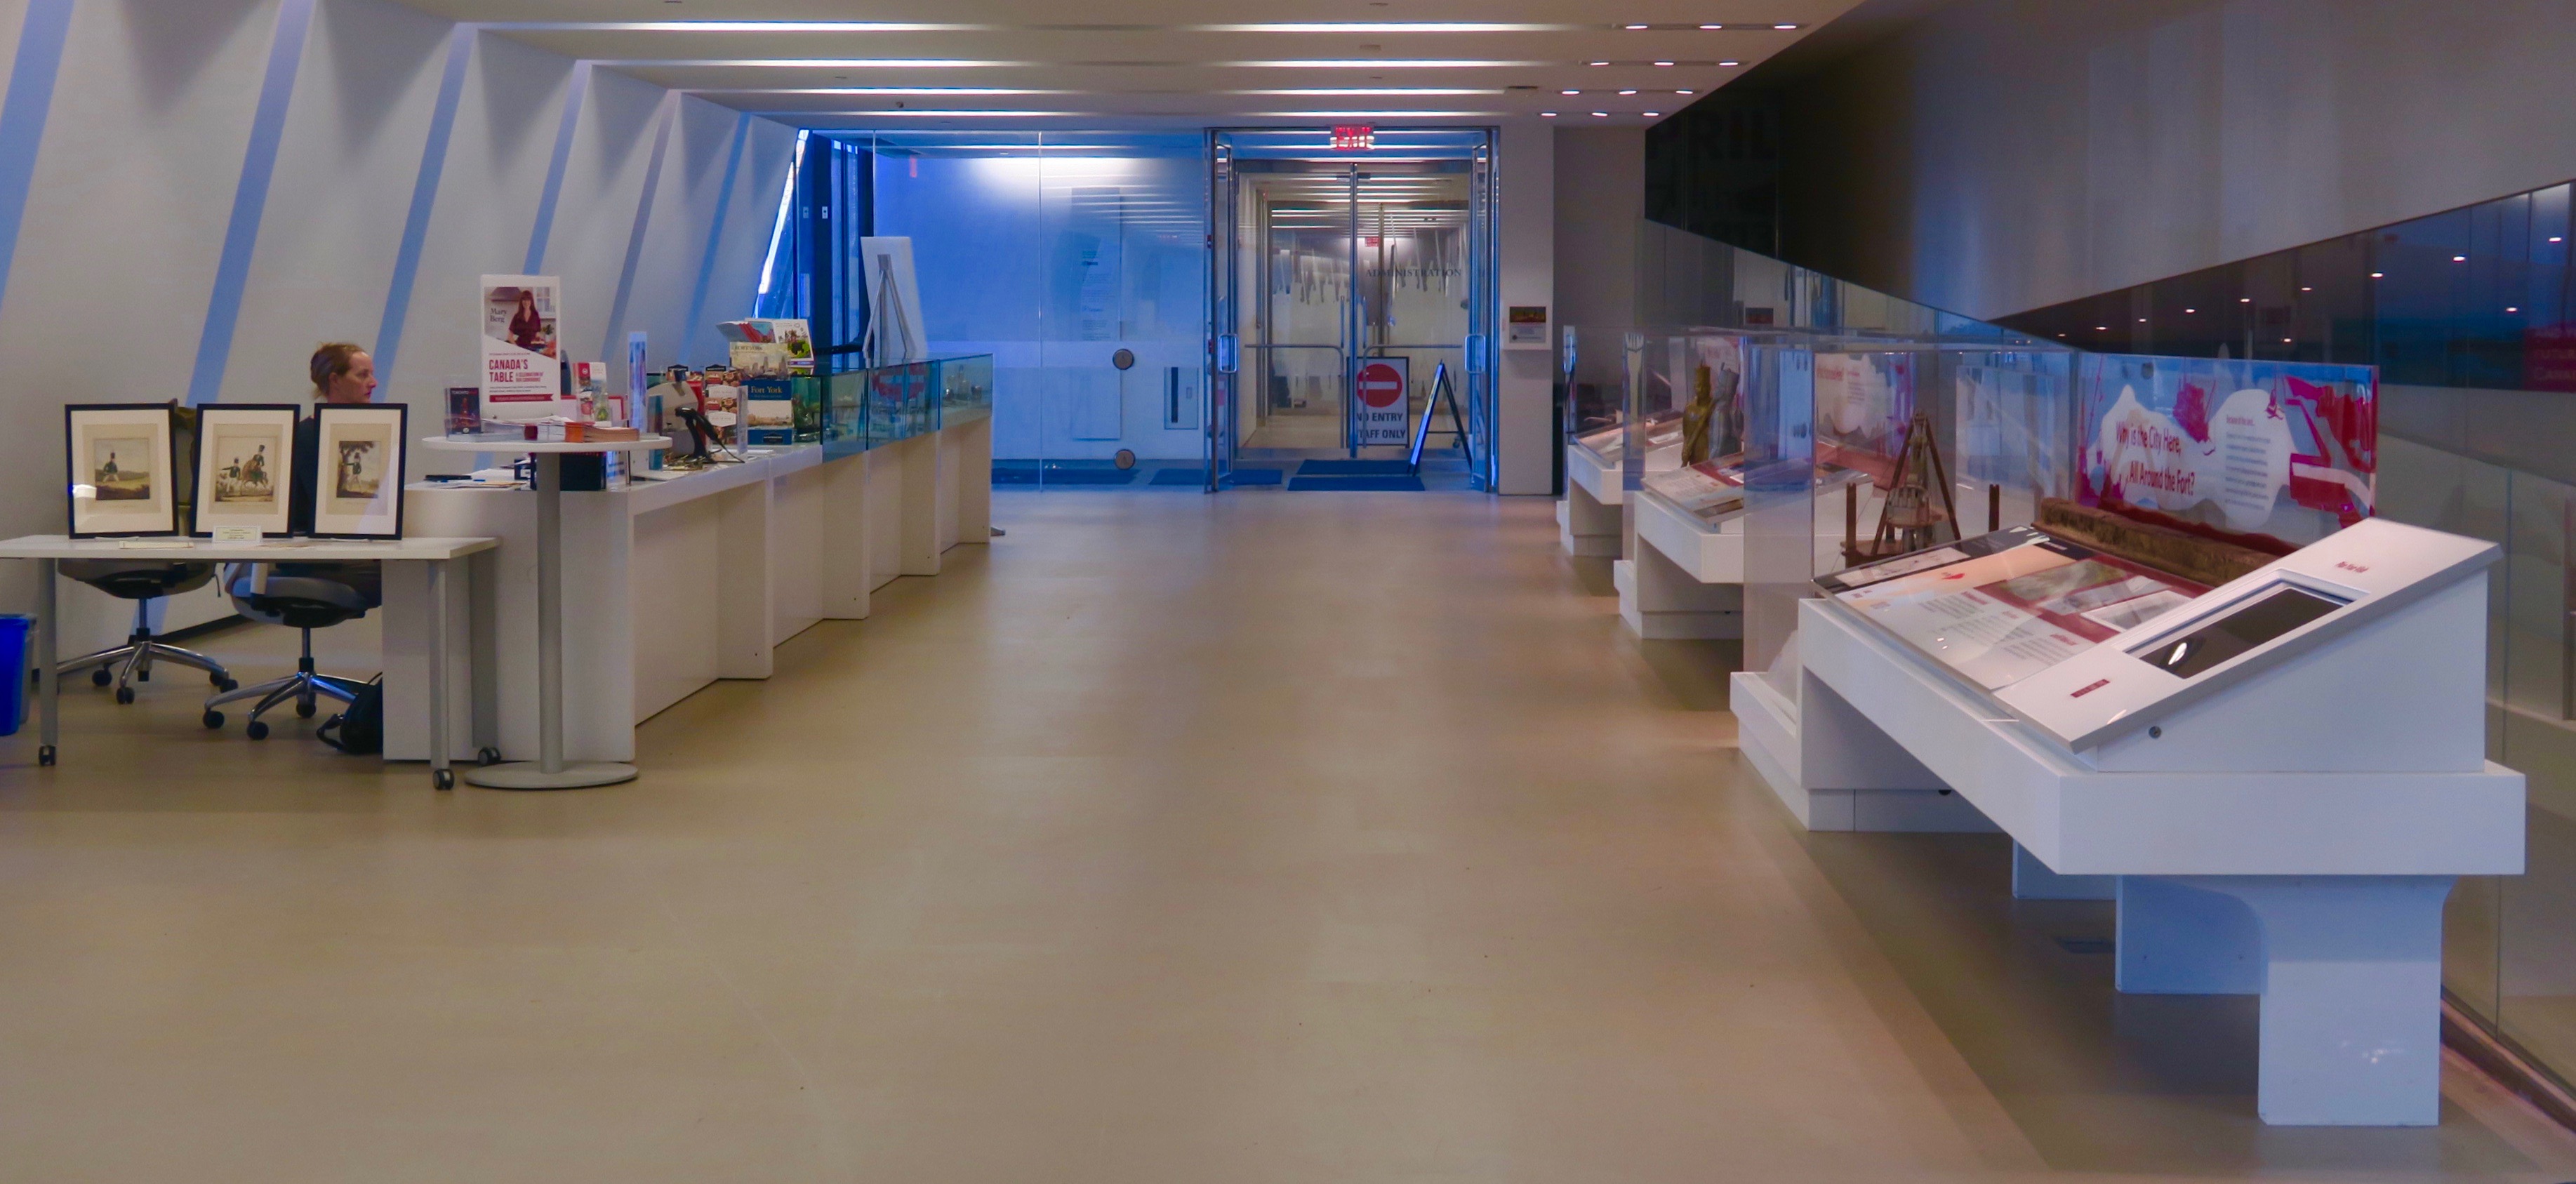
1345, 286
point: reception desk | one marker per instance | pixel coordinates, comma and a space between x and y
672, 584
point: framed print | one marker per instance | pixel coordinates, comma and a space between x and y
245, 467
358, 488
119, 465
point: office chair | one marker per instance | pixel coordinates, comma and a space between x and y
314, 596
141, 581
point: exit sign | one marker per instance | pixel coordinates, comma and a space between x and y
1354, 137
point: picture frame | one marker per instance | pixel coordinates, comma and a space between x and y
357, 481
119, 470
245, 470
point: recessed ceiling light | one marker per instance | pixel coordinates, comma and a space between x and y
2142, 320
2379, 275
1684, 92
1547, 114
1654, 114
2191, 310
1569, 92
1627, 92
2101, 328
1784, 26
1712, 26
2245, 300
1730, 63
1632, 26
1601, 115
2558, 238
1596, 63
2285, 341
2459, 258
2307, 289
2512, 308
1663, 63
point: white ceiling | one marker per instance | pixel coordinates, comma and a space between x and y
1146, 63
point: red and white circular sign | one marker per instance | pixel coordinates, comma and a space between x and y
1380, 385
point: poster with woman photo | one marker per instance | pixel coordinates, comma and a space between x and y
522, 358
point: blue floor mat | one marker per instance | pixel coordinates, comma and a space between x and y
1355, 468
1179, 477
1371, 484
1239, 477
1244, 476
1028, 476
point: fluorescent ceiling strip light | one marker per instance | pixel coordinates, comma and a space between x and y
1373, 114
730, 27
1391, 27
959, 91
809, 63
929, 114
1382, 64
1326, 92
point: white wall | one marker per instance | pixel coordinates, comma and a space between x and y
1600, 198
143, 149
2008, 154
1525, 415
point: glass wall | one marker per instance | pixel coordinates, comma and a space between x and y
1077, 260
2467, 314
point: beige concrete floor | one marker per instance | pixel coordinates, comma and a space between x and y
1267, 837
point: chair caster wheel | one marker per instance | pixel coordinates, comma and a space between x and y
45, 755
304, 710
213, 719
257, 729
100, 677
488, 757
443, 778
222, 683
125, 694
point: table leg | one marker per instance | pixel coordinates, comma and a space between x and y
550, 770
48, 703
440, 745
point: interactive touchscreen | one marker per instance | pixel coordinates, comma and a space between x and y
2267, 616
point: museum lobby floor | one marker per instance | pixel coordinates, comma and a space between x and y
1172, 839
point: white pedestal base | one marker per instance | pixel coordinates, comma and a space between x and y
1586, 527
1661, 602
2349, 968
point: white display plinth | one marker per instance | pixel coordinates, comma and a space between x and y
2285, 825
1588, 516
1687, 580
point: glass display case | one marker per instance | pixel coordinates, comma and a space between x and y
870, 407
2118, 488
1686, 424
1593, 373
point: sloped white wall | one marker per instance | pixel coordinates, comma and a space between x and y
145, 139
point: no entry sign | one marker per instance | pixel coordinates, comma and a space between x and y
1380, 406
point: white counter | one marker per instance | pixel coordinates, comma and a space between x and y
671, 585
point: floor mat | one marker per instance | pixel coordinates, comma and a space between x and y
1027, 476
1355, 468
1402, 484
1239, 477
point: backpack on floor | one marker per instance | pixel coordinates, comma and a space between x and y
360, 730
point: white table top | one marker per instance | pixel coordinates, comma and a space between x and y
54, 546
645, 444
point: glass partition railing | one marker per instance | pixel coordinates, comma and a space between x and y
873, 406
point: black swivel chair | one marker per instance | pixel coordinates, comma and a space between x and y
304, 597
141, 581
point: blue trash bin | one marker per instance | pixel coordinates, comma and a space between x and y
13, 656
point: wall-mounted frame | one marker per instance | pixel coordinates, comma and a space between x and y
119, 471
245, 471
358, 478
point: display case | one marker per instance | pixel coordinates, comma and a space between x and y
2198, 679
1591, 397
1684, 463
